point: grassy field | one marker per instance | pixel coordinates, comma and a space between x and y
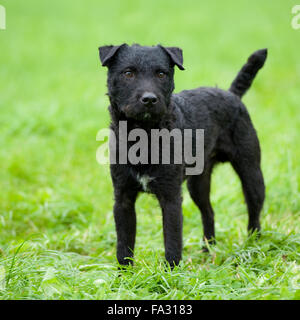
57, 236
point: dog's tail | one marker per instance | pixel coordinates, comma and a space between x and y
244, 79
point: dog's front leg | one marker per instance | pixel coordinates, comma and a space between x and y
125, 220
172, 226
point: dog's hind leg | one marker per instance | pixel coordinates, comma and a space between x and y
246, 162
199, 188
253, 188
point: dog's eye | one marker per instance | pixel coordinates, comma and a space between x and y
161, 74
128, 74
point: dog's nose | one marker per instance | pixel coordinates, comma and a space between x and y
149, 98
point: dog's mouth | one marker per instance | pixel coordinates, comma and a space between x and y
144, 114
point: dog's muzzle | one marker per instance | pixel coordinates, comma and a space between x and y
149, 99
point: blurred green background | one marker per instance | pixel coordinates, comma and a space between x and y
52, 104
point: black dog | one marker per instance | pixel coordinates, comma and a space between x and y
140, 86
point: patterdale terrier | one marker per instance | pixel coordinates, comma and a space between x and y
140, 89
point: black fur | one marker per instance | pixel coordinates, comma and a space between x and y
245, 77
135, 71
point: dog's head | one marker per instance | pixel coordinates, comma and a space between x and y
141, 79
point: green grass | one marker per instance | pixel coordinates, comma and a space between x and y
57, 236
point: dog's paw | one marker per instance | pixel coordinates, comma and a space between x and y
208, 244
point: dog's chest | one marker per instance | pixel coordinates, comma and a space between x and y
144, 181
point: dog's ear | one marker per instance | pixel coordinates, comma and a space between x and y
106, 53
175, 54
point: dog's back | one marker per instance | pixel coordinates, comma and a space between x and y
217, 111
